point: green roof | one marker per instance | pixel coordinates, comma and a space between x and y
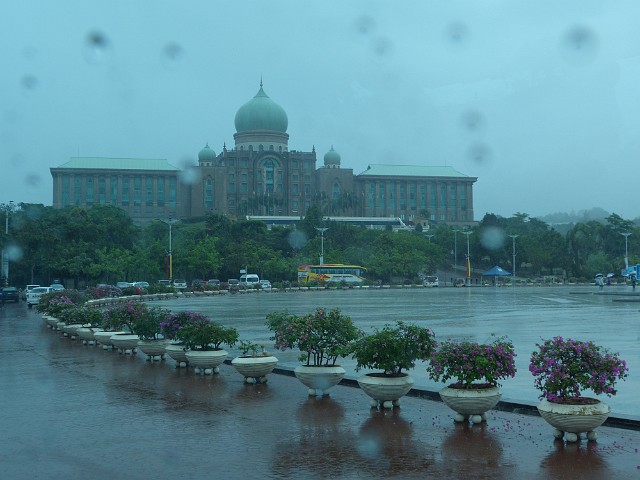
104, 163
412, 171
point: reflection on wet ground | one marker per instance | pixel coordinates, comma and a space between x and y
75, 411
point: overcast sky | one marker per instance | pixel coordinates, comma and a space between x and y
538, 99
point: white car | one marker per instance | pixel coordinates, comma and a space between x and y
265, 284
180, 283
33, 295
26, 290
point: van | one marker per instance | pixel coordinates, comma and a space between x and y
431, 281
249, 280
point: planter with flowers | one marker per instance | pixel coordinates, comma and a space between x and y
170, 328
254, 363
121, 319
321, 337
477, 369
562, 369
89, 318
391, 350
148, 328
203, 338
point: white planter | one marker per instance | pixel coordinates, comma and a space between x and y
178, 353
385, 390
470, 403
126, 343
574, 419
86, 335
319, 379
155, 350
104, 338
206, 361
52, 322
255, 369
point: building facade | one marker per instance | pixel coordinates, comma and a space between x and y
261, 176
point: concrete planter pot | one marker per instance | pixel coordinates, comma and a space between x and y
574, 420
319, 379
126, 343
155, 350
470, 403
178, 353
255, 369
104, 338
385, 390
206, 361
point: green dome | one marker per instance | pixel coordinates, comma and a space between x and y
206, 154
332, 157
261, 113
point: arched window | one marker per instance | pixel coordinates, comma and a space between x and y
335, 193
208, 194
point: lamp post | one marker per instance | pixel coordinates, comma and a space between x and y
170, 222
626, 249
455, 252
468, 266
8, 208
513, 265
430, 236
321, 230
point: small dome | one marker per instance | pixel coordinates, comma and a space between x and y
206, 154
331, 158
261, 113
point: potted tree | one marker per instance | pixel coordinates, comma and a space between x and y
148, 328
391, 350
90, 318
478, 368
121, 319
254, 363
170, 328
562, 369
203, 339
322, 337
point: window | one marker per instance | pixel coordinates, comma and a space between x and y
102, 190
295, 189
463, 197
443, 196
172, 192
453, 199
232, 183
89, 197
113, 195
160, 195
125, 191
66, 194
335, 193
423, 196
208, 194
149, 191
244, 163
77, 190
137, 190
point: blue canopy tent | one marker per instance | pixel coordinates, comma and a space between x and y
496, 271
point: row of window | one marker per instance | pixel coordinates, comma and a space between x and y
118, 190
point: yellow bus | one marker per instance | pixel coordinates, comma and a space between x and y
331, 272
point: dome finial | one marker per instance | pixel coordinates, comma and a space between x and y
260, 81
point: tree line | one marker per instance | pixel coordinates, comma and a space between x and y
87, 246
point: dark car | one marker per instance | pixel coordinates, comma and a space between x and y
10, 294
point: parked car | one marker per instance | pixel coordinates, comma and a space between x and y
10, 294
180, 283
124, 284
197, 283
56, 287
166, 283
459, 282
33, 297
249, 280
431, 281
265, 284
141, 284
26, 290
214, 282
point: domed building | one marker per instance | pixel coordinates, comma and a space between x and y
261, 177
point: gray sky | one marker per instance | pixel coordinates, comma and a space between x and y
538, 99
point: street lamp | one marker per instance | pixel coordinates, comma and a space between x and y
170, 222
626, 249
455, 252
8, 208
321, 230
467, 233
430, 237
513, 265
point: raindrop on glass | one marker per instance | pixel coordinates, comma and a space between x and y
96, 47
33, 180
579, 45
492, 238
364, 24
172, 55
456, 34
382, 46
29, 82
14, 252
472, 120
479, 153
297, 239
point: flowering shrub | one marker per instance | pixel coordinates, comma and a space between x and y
171, 325
321, 336
394, 348
105, 291
471, 362
147, 326
197, 332
251, 349
55, 304
85, 315
123, 315
563, 367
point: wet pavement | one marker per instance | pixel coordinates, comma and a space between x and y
75, 411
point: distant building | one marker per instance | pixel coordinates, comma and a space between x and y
260, 176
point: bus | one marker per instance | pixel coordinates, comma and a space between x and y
331, 272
